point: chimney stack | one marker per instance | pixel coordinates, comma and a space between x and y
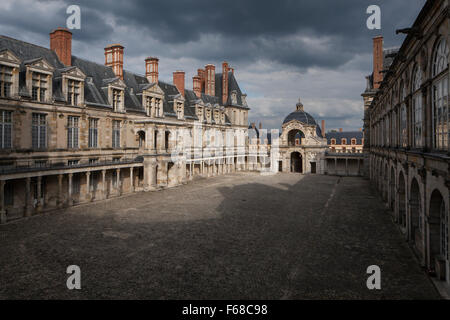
224, 82
377, 61
114, 59
340, 129
61, 43
178, 81
260, 125
323, 128
197, 85
210, 82
151, 69
201, 74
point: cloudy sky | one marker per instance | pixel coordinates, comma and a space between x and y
319, 50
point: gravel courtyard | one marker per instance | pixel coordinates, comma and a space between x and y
240, 236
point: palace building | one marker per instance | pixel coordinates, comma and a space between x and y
407, 119
75, 131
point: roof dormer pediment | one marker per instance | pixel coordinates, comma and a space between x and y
39, 65
115, 83
7, 57
153, 88
74, 72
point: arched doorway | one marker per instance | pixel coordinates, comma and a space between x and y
438, 235
141, 137
296, 162
392, 185
415, 222
401, 201
295, 137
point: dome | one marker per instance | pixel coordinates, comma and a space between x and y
300, 115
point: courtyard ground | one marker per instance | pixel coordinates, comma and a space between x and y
240, 236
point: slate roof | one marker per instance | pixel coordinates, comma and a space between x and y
98, 76
303, 117
345, 134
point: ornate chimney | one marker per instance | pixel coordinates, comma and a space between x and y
377, 61
197, 85
224, 82
210, 83
114, 59
151, 69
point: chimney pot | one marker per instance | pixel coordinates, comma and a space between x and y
340, 129
114, 59
210, 82
61, 43
151, 69
224, 82
377, 61
178, 81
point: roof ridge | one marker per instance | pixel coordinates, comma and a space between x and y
28, 43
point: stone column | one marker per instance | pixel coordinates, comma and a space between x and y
39, 191
88, 196
69, 196
104, 195
118, 184
27, 197
131, 180
60, 202
2, 202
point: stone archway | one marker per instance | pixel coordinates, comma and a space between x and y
295, 137
415, 223
401, 201
438, 236
296, 162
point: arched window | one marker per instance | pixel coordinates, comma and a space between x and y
403, 136
417, 107
440, 97
343, 141
353, 141
333, 141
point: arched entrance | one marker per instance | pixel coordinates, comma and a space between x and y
296, 162
438, 235
392, 184
401, 201
295, 137
415, 223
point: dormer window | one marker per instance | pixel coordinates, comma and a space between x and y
333, 141
344, 141
117, 99
148, 106
179, 110
353, 141
73, 92
39, 87
222, 117
6, 81
200, 113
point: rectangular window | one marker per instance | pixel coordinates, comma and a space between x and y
72, 163
5, 129
39, 131
93, 160
72, 132
116, 94
116, 134
403, 133
441, 116
5, 81
93, 133
417, 119
39, 87
73, 92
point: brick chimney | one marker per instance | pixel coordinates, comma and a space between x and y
61, 43
224, 82
340, 129
178, 81
151, 69
377, 61
260, 125
197, 85
201, 74
210, 82
323, 128
114, 59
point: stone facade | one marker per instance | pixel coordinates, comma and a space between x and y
74, 131
407, 128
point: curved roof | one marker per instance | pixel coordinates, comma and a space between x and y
303, 117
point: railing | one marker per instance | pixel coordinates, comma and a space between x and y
31, 166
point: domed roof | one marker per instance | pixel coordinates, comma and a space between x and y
302, 116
